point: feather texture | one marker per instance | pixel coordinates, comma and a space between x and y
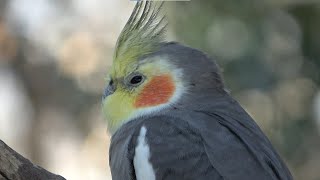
143, 32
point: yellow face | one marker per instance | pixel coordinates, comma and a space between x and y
139, 89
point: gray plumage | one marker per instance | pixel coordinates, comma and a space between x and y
206, 135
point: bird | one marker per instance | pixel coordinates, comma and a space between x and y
170, 115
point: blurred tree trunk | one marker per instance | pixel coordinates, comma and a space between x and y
13, 166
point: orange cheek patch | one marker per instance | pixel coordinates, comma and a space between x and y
158, 91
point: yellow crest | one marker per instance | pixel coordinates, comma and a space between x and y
142, 34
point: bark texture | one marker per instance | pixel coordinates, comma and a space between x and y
13, 166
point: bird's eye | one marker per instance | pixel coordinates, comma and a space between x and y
136, 79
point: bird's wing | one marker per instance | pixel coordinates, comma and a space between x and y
162, 148
169, 147
176, 152
236, 146
228, 153
211, 147
121, 154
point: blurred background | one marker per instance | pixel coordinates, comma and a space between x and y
54, 57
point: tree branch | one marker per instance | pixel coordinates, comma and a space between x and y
13, 166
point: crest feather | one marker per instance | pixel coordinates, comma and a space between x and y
143, 32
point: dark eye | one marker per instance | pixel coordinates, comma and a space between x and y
136, 79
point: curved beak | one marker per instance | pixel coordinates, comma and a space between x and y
108, 91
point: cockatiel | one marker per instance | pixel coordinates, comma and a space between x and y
170, 116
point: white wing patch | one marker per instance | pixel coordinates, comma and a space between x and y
143, 168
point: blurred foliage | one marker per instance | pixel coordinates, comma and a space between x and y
54, 56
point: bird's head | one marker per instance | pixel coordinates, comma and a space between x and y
148, 75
